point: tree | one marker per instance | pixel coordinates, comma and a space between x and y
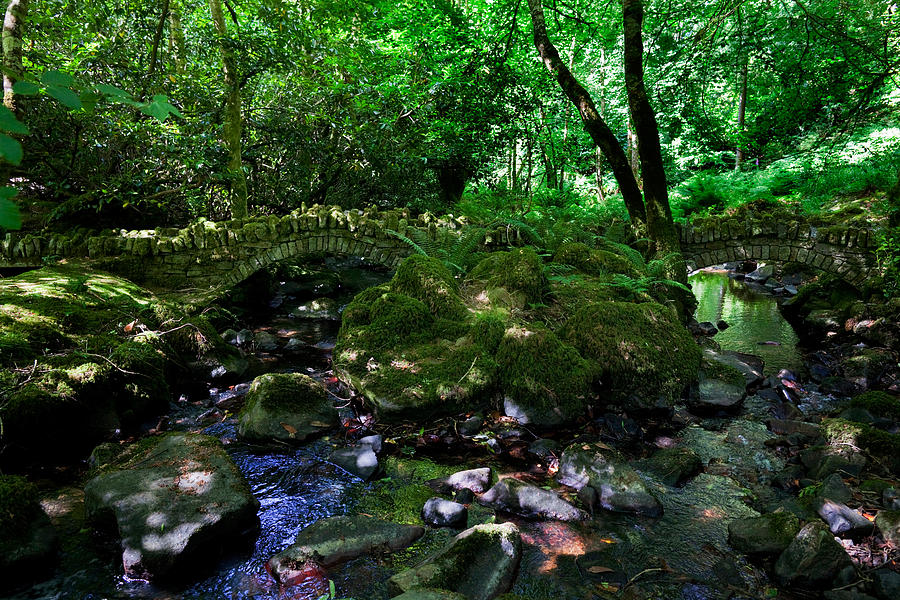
653, 209
13, 24
232, 123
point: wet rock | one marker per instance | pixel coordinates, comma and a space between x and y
265, 341
706, 328
320, 308
438, 512
888, 523
822, 461
790, 290
844, 521
812, 560
476, 480
886, 584
470, 426
230, 336
360, 461
338, 539
479, 563
295, 344
372, 441
672, 466
28, 541
793, 426
716, 395
891, 498
429, 594
833, 488
721, 325
767, 534
544, 448
761, 274
618, 485
464, 496
529, 501
176, 501
288, 407
243, 337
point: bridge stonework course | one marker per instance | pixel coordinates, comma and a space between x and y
843, 251
221, 254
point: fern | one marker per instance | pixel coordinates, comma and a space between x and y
457, 251
511, 224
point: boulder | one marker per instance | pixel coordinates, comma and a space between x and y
359, 460
761, 274
672, 466
812, 560
338, 539
519, 272
480, 563
287, 407
888, 523
265, 341
476, 480
529, 501
646, 356
28, 541
438, 512
767, 534
619, 487
844, 521
176, 500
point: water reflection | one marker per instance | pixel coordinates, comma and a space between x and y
755, 325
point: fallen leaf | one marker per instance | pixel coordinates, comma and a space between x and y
129, 327
291, 430
599, 569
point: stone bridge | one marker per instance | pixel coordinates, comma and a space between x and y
221, 254
843, 251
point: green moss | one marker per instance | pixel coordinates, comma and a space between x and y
397, 502
646, 355
428, 280
520, 272
595, 262
875, 485
884, 447
714, 369
878, 403
18, 504
488, 330
546, 378
281, 391
358, 312
417, 470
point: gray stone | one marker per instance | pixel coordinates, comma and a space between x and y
834, 488
372, 441
761, 275
338, 539
812, 560
891, 498
360, 461
470, 426
767, 534
265, 341
320, 308
444, 513
618, 485
714, 395
244, 336
477, 480
544, 448
529, 501
844, 521
479, 563
230, 336
176, 500
287, 407
886, 584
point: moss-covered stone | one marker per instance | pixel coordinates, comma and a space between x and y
429, 281
884, 447
878, 403
396, 501
646, 355
287, 407
544, 381
519, 272
766, 534
596, 262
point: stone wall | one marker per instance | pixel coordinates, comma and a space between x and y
844, 251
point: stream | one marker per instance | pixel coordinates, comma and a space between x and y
296, 487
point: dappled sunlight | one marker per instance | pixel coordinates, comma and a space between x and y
555, 539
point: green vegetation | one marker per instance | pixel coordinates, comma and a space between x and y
18, 504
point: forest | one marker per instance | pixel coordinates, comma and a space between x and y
450, 299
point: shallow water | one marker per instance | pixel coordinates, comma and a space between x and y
753, 318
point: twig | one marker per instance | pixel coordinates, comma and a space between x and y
644, 572
468, 371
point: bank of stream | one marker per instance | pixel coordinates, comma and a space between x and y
685, 553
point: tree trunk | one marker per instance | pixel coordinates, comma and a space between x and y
594, 124
232, 124
742, 96
157, 37
660, 227
176, 37
634, 158
599, 173
452, 181
13, 25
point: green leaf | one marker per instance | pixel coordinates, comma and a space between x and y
25, 88
10, 149
10, 218
111, 90
57, 78
9, 123
66, 97
160, 108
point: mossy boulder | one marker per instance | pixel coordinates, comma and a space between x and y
766, 534
882, 446
286, 407
426, 279
647, 357
720, 385
543, 380
812, 560
479, 563
178, 501
878, 403
593, 261
672, 466
28, 541
519, 273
